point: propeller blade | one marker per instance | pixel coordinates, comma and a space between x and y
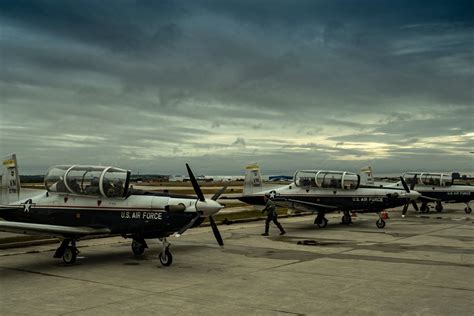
412, 186
405, 186
185, 228
216, 232
405, 209
196, 187
218, 193
415, 206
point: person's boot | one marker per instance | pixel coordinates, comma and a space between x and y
282, 231
265, 234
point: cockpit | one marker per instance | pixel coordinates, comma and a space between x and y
327, 179
88, 180
426, 178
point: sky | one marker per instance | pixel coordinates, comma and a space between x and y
150, 85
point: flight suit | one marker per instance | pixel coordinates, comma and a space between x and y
271, 216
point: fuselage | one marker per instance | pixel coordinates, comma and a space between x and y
451, 194
360, 199
143, 214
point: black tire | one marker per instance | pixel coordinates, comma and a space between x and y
70, 255
137, 247
323, 223
468, 210
346, 220
425, 209
439, 208
380, 223
166, 258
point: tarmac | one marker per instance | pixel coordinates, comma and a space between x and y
419, 265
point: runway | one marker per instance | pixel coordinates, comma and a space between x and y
420, 265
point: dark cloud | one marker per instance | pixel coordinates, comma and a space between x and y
140, 83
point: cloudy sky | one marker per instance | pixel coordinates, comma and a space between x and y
150, 85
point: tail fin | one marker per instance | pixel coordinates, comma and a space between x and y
253, 179
10, 190
368, 171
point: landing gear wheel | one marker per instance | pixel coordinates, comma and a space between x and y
137, 247
468, 210
166, 258
70, 255
439, 207
323, 223
380, 223
346, 219
424, 208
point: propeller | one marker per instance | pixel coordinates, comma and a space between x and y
405, 185
189, 225
407, 189
216, 232
207, 205
195, 184
219, 193
412, 186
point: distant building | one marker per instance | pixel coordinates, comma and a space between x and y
150, 178
280, 178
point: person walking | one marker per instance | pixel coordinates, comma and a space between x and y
272, 215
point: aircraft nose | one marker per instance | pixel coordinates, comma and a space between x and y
413, 195
208, 207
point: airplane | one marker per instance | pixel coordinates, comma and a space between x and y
324, 191
84, 200
437, 188
433, 187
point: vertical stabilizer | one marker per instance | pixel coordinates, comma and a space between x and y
253, 179
10, 180
368, 172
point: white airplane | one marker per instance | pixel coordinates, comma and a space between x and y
434, 187
324, 191
83, 200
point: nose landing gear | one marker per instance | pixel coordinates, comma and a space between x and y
165, 256
467, 209
381, 221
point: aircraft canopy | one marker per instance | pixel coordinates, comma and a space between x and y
327, 179
428, 178
88, 180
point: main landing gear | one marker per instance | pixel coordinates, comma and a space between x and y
165, 255
346, 219
439, 207
424, 207
321, 221
138, 246
67, 252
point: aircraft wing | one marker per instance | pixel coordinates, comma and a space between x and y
307, 205
428, 199
54, 230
